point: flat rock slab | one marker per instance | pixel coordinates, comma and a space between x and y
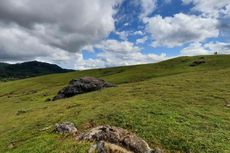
82, 85
106, 135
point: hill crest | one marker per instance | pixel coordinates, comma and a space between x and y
28, 69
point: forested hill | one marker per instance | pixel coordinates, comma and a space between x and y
28, 69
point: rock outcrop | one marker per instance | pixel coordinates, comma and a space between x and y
109, 138
198, 62
82, 85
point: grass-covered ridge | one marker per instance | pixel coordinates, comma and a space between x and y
28, 69
170, 104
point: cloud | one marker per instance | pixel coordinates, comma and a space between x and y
141, 40
194, 49
116, 53
148, 6
138, 33
217, 9
219, 47
205, 49
168, 1
17, 44
123, 35
117, 46
180, 29
46, 27
210, 8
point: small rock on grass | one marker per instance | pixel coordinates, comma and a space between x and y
105, 147
11, 145
46, 128
227, 104
65, 127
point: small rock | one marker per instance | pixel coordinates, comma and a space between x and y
105, 147
117, 136
46, 128
11, 145
227, 104
82, 85
48, 99
157, 150
202, 57
45, 94
66, 127
93, 148
19, 112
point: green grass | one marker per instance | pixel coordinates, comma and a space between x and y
170, 104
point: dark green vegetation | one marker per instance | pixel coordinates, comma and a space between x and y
28, 69
172, 105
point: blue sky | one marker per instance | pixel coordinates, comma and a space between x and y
87, 34
128, 21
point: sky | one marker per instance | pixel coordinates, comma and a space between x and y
89, 34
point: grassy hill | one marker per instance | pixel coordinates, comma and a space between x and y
172, 105
28, 69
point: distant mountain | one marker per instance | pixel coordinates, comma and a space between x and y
28, 69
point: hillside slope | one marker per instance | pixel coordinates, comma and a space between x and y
28, 69
171, 104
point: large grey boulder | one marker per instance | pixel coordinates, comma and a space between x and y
118, 137
82, 85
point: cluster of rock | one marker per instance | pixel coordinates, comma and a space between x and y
112, 139
82, 85
109, 139
200, 61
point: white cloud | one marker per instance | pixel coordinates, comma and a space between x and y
17, 44
88, 48
217, 9
117, 46
141, 40
210, 8
180, 29
123, 35
116, 53
66, 26
138, 33
205, 49
148, 6
219, 47
194, 49
168, 1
